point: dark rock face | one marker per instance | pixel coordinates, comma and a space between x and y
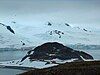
49, 24
57, 32
52, 50
67, 24
84, 29
10, 29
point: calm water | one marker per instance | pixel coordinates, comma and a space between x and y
5, 71
14, 55
11, 55
94, 53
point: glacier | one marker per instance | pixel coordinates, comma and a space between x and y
36, 34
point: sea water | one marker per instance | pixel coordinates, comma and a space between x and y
94, 53
18, 54
8, 56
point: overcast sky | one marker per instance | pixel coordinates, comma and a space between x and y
84, 13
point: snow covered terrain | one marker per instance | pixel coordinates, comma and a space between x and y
38, 33
34, 64
9, 40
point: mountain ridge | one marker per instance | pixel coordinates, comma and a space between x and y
33, 35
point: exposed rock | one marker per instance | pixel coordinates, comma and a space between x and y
57, 32
10, 29
52, 50
67, 24
13, 22
23, 43
85, 30
49, 24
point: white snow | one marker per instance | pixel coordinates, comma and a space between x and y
27, 63
87, 59
38, 33
34, 64
64, 61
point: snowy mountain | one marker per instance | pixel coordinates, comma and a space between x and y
38, 33
10, 40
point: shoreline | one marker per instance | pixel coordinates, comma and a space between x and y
72, 68
17, 67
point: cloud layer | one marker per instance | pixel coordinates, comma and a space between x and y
77, 12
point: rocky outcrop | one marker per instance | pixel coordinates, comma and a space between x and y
52, 50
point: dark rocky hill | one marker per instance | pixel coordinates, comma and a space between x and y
52, 50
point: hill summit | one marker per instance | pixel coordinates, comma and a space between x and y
55, 50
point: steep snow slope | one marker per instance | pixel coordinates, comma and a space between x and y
7, 39
38, 33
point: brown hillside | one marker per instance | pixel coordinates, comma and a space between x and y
73, 68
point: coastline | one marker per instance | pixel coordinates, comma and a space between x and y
72, 68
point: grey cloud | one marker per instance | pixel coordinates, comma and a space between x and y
74, 11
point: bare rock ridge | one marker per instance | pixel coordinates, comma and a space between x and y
8, 27
53, 50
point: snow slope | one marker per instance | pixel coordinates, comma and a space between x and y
38, 33
9, 40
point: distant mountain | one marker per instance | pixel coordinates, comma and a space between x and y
9, 40
85, 47
36, 34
